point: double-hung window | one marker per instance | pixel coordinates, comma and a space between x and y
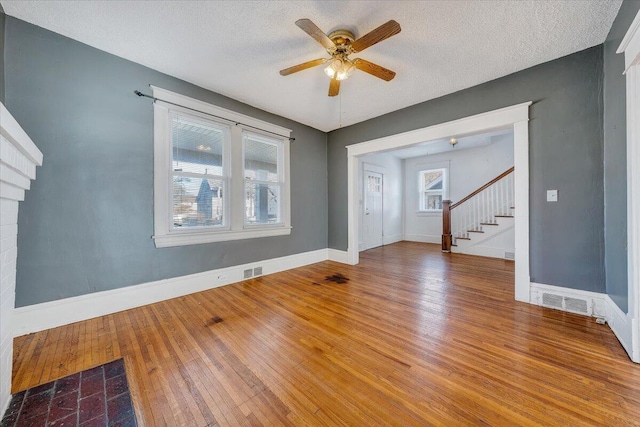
432, 187
217, 178
200, 171
263, 179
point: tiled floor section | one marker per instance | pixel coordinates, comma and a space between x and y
96, 397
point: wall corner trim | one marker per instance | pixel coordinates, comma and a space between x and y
620, 324
338, 256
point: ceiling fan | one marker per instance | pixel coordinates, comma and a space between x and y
340, 44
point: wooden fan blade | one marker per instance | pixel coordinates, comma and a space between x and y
312, 29
303, 66
383, 32
334, 87
374, 69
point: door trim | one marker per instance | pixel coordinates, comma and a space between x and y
516, 116
630, 46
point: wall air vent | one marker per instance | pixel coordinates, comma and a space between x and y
510, 255
248, 273
257, 271
576, 305
552, 300
573, 305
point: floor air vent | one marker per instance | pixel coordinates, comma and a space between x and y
574, 305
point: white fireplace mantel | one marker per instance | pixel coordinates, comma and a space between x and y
19, 158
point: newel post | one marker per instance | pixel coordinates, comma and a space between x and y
446, 226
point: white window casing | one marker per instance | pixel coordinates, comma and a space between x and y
424, 192
228, 222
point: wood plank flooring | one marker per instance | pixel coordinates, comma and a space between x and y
413, 337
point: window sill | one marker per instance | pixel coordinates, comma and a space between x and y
183, 239
429, 213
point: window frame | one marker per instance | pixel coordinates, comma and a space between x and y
267, 139
165, 235
444, 167
225, 177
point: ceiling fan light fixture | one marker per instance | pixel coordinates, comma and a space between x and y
346, 71
339, 68
339, 45
329, 71
334, 67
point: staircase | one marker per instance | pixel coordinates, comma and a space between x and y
480, 220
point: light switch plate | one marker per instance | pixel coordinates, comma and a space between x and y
552, 195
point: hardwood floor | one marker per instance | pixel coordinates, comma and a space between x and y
413, 337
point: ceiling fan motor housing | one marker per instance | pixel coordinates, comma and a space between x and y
342, 39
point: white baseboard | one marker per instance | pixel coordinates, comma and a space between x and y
394, 238
485, 251
38, 317
338, 256
596, 305
620, 324
424, 238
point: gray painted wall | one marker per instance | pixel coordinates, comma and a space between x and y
86, 224
3, 18
615, 158
566, 153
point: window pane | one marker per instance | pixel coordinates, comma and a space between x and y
197, 202
433, 202
262, 203
197, 145
260, 158
374, 184
432, 179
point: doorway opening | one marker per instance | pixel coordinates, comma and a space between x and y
514, 118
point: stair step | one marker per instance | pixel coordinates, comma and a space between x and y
475, 231
503, 216
489, 223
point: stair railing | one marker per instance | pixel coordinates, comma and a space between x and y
495, 198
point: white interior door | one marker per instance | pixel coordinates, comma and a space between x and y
372, 221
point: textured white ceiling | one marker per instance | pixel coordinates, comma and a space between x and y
443, 145
236, 48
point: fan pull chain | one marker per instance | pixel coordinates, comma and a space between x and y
340, 121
